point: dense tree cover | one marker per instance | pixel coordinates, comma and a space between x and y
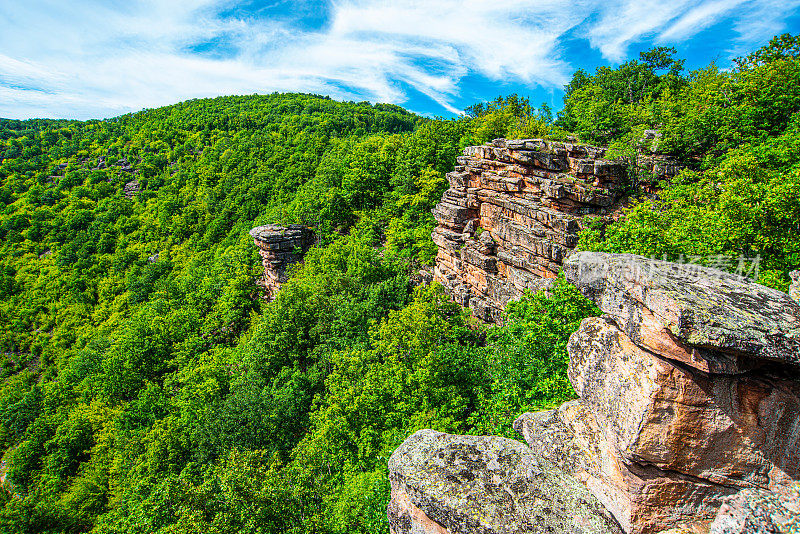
145, 385
511, 117
737, 129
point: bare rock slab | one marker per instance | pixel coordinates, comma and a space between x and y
662, 444
689, 391
709, 319
642, 498
730, 430
447, 484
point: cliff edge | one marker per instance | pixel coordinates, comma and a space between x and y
689, 391
513, 212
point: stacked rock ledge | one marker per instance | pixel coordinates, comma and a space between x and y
689, 398
689, 391
512, 215
280, 247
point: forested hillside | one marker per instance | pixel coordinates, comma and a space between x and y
146, 386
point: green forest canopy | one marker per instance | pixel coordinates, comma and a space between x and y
147, 388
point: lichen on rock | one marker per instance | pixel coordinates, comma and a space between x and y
755, 511
689, 391
447, 484
709, 319
688, 388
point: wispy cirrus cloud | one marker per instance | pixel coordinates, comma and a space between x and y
697, 19
94, 58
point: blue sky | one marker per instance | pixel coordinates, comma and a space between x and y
101, 58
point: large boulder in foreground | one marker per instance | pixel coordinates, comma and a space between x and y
446, 484
689, 391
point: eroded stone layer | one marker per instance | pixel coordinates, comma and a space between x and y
512, 215
280, 247
689, 391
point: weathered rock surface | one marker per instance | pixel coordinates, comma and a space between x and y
131, 189
527, 198
280, 247
446, 484
794, 290
706, 318
689, 391
754, 511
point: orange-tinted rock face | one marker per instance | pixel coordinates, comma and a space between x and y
280, 247
689, 391
512, 215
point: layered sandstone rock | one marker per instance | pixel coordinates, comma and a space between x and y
689, 391
512, 214
131, 189
446, 484
280, 247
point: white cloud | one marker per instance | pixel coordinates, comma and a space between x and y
99, 58
763, 19
697, 19
627, 21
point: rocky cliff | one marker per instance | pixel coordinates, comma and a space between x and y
513, 212
689, 391
280, 247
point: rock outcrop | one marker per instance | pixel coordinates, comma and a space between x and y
446, 484
131, 189
512, 215
513, 212
280, 247
794, 290
689, 391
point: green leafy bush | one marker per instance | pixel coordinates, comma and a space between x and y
527, 364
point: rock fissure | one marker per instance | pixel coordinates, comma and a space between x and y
647, 470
